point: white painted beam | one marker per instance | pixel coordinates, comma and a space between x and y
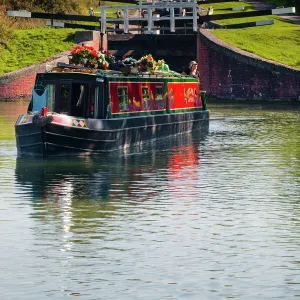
16, 13
238, 8
55, 24
149, 12
264, 22
103, 20
172, 20
126, 22
195, 17
143, 6
282, 11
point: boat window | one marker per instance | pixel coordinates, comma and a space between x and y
79, 96
51, 97
159, 97
64, 99
80, 99
94, 109
145, 97
123, 98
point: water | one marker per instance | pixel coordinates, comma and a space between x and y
201, 216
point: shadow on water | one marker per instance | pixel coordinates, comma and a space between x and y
255, 105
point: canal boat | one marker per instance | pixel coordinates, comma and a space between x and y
80, 110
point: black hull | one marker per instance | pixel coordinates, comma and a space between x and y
103, 135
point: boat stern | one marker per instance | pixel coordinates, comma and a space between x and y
29, 130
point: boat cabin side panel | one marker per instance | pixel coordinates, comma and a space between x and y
114, 96
183, 95
137, 96
153, 97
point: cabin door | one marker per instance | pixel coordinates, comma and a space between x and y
97, 107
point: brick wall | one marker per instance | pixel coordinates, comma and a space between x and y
230, 73
17, 85
19, 88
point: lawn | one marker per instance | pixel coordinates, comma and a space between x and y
29, 46
279, 42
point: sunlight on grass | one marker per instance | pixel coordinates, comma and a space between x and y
31, 46
226, 7
279, 42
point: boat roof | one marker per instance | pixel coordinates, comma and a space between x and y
73, 71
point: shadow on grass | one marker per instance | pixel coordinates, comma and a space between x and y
69, 38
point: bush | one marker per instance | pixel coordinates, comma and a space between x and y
5, 30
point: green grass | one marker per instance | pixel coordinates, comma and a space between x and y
34, 45
111, 13
226, 7
279, 42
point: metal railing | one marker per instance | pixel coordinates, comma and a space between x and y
149, 9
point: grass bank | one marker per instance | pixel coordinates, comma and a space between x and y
279, 42
26, 42
34, 45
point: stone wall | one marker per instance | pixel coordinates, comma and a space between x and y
230, 73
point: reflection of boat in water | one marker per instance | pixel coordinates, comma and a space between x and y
79, 196
94, 178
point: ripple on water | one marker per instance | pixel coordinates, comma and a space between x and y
213, 216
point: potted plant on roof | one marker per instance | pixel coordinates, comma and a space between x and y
86, 56
162, 66
147, 63
129, 65
102, 63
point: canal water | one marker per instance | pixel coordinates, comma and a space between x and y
214, 215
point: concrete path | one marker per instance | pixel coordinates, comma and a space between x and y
262, 5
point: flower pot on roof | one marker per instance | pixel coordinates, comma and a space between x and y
162, 66
129, 65
102, 63
147, 63
84, 55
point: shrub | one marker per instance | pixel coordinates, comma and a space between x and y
5, 29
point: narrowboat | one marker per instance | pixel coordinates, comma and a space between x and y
79, 110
